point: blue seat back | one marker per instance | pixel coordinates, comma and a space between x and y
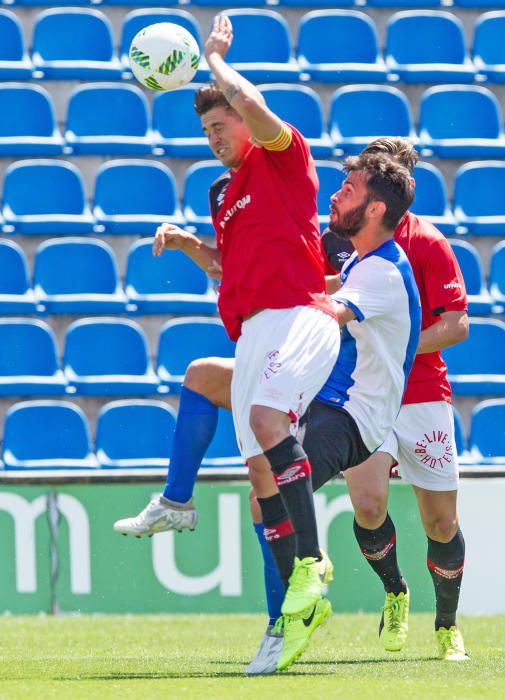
370, 111
27, 347
46, 430
470, 264
431, 193
135, 429
258, 35
25, 110
224, 442
425, 36
184, 340
174, 116
43, 187
497, 269
298, 105
13, 269
106, 346
460, 112
102, 110
488, 41
199, 178
479, 188
487, 430
172, 273
73, 34
12, 44
331, 177
482, 352
138, 19
459, 434
337, 36
75, 266
135, 187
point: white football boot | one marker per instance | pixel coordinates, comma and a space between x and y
269, 650
159, 516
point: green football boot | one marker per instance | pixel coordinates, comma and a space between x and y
394, 623
306, 583
450, 644
299, 628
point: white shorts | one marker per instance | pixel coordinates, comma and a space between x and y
282, 359
422, 442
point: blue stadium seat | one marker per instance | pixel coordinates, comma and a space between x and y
77, 276
339, 46
413, 4
460, 439
45, 197
477, 4
74, 43
27, 122
477, 365
186, 339
195, 204
134, 197
460, 121
361, 113
269, 59
427, 46
479, 204
140, 18
177, 130
135, 434
489, 47
170, 284
497, 277
107, 119
431, 200
487, 433
301, 106
29, 359
223, 450
15, 64
316, 3
16, 295
331, 177
479, 299
58, 437
105, 357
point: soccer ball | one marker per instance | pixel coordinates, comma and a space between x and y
164, 56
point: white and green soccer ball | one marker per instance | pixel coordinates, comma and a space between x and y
164, 56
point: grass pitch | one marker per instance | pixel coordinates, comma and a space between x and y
203, 656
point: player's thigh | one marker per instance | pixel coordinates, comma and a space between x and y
211, 377
439, 513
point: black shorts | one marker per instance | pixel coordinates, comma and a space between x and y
332, 441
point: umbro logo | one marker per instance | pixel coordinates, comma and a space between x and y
291, 474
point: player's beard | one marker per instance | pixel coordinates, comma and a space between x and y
350, 223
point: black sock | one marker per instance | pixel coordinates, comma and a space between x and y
279, 535
445, 562
379, 549
292, 472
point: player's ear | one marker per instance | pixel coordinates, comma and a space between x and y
376, 209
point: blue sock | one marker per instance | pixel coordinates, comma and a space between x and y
274, 588
194, 430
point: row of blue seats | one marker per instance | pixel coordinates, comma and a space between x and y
108, 356
129, 435
455, 121
412, 4
47, 197
138, 434
80, 276
331, 46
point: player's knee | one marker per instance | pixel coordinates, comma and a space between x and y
269, 431
370, 511
200, 378
441, 528
254, 507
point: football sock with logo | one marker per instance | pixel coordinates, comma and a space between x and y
194, 430
379, 549
279, 535
274, 588
292, 473
446, 561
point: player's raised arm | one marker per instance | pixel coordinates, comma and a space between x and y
242, 95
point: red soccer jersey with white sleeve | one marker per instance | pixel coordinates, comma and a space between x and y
268, 233
441, 288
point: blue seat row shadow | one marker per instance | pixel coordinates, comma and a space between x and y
455, 121
332, 46
134, 196
130, 434
77, 275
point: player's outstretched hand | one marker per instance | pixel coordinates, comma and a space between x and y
215, 270
172, 237
220, 38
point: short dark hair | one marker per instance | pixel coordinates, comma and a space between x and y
396, 147
209, 96
386, 181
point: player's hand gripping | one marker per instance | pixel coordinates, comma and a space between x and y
172, 237
220, 38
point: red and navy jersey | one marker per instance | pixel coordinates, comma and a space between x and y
265, 217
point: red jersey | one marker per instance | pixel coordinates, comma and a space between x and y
441, 288
268, 233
